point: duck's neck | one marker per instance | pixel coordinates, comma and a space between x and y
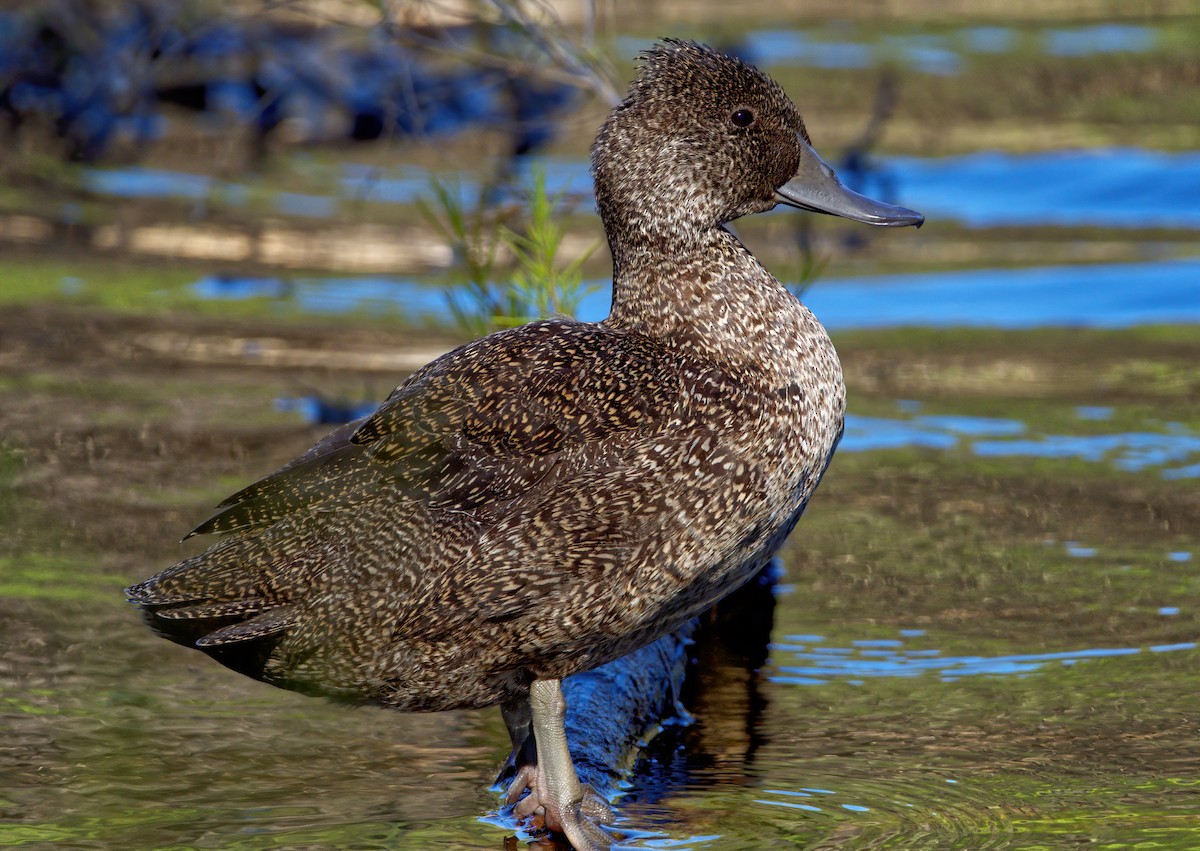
709, 296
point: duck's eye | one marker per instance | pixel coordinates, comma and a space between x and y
743, 117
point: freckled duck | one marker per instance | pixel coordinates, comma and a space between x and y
548, 498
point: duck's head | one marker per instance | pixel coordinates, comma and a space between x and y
703, 138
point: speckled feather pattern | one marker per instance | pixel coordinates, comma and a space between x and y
548, 498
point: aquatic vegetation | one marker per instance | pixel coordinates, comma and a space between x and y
507, 273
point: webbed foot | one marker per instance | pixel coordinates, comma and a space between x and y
555, 793
591, 807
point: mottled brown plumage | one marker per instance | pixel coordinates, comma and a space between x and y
548, 498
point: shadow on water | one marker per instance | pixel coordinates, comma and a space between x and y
753, 736
717, 731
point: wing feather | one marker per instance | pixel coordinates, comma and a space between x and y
359, 517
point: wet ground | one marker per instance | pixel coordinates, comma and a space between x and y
985, 629
985, 633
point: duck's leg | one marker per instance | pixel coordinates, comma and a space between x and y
555, 793
521, 765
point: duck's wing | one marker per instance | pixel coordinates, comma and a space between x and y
362, 540
480, 424
317, 475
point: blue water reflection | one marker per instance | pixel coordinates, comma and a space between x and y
1103, 296
1174, 450
945, 53
1099, 38
1117, 295
1094, 412
864, 434
1129, 451
240, 288
308, 206
385, 186
355, 183
331, 296
1105, 187
137, 182
798, 660
375, 293
1122, 188
989, 39
1114, 187
792, 47
928, 54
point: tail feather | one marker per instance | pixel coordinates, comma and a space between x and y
249, 657
232, 593
295, 604
232, 571
267, 624
212, 611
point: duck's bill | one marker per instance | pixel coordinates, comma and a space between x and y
816, 187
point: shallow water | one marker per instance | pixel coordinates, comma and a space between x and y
1123, 188
1119, 188
1171, 449
1114, 295
842, 45
940, 666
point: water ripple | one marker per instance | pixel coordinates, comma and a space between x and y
1173, 450
906, 810
816, 664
